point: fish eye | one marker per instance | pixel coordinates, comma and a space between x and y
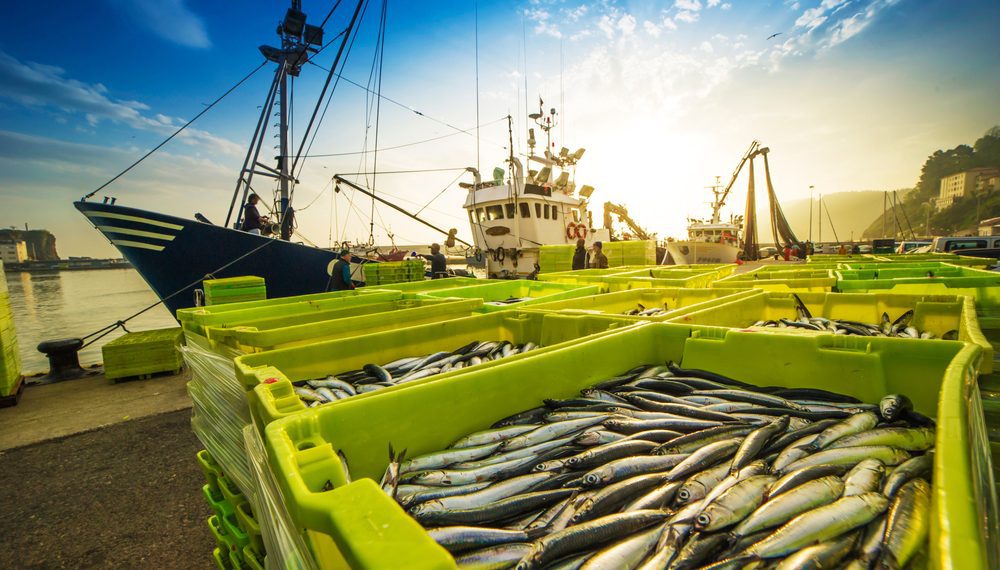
703, 519
683, 494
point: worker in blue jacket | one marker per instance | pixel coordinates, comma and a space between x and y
340, 277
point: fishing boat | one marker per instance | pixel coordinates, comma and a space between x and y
517, 212
711, 241
716, 241
173, 254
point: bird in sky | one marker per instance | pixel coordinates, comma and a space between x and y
773, 36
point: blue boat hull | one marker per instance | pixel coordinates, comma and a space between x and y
174, 255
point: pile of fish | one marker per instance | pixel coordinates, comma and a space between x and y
888, 327
670, 468
507, 301
373, 377
640, 310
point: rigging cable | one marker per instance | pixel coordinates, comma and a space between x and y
178, 131
409, 144
378, 109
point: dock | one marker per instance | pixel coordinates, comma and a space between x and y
101, 474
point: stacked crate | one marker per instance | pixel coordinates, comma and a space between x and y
234, 290
10, 359
141, 354
232, 524
387, 272
553, 258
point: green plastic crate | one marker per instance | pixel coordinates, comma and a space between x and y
285, 332
678, 300
219, 505
234, 290
252, 558
935, 313
413, 288
962, 260
211, 469
818, 280
270, 374
221, 559
979, 284
196, 319
249, 525
222, 538
230, 492
499, 290
141, 353
372, 531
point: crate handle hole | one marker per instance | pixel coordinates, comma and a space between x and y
305, 445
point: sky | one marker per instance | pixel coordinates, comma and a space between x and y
664, 96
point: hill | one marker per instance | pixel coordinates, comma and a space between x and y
850, 213
965, 213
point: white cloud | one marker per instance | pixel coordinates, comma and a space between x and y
686, 16
706, 47
606, 25
713, 3
543, 24
574, 14
692, 5
669, 24
651, 28
626, 24
726, 6
45, 86
172, 20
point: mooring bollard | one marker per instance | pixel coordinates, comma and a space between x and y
64, 362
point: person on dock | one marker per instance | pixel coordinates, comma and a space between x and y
340, 277
439, 264
580, 255
252, 222
599, 260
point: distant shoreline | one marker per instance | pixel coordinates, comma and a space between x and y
66, 265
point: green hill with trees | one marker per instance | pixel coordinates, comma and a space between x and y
917, 206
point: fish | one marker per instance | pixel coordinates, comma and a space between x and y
894, 406
820, 524
662, 467
907, 525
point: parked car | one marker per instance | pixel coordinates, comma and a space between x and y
975, 246
908, 246
864, 248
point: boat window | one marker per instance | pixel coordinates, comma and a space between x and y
472, 220
576, 215
555, 213
545, 212
525, 210
509, 207
482, 215
494, 213
538, 210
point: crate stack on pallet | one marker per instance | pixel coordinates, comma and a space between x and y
11, 382
234, 290
387, 272
141, 354
311, 469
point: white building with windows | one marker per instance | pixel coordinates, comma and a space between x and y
958, 185
15, 251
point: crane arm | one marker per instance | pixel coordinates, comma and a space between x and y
750, 153
340, 179
622, 213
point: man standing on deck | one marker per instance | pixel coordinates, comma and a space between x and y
340, 277
599, 260
439, 264
580, 255
251, 217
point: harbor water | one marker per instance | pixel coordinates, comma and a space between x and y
69, 304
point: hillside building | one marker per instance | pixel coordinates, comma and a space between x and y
964, 183
13, 251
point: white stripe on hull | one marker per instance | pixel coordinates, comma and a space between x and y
139, 233
115, 216
138, 244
